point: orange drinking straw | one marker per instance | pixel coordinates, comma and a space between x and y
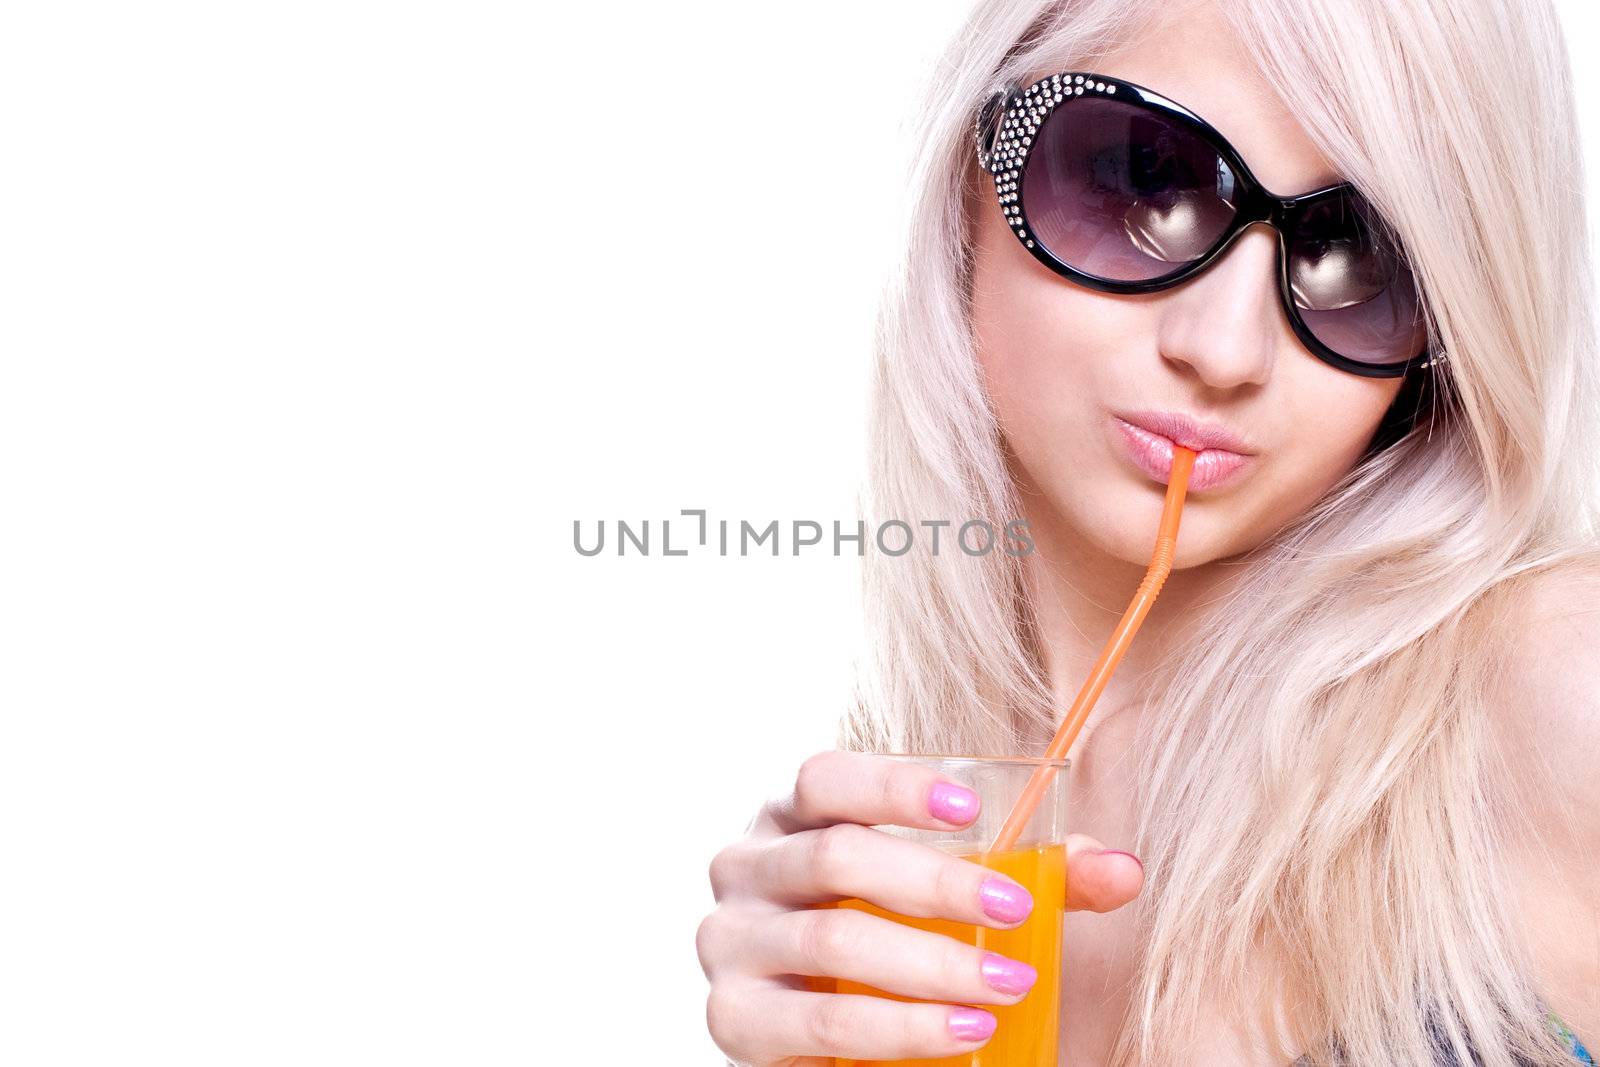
1111, 655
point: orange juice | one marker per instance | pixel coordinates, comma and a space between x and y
1027, 1032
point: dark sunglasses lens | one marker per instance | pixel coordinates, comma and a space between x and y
1124, 193
1351, 284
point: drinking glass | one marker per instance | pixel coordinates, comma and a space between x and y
1028, 1031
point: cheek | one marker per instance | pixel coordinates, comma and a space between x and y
1048, 350
1327, 418
1054, 358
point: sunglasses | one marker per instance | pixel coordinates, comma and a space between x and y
1121, 190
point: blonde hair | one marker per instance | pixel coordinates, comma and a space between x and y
1318, 772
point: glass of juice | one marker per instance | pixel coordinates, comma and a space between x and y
1029, 1030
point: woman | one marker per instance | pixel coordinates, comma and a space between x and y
1354, 742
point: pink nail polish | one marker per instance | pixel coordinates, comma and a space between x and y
1004, 901
1120, 852
953, 803
1007, 976
970, 1024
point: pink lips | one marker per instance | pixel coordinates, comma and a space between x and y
1150, 449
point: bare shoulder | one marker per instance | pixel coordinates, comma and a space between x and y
1544, 705
1545, 695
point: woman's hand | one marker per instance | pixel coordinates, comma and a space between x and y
817, 845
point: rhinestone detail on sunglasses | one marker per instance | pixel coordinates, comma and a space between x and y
1010, 148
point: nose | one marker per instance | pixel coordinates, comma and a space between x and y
1223, 325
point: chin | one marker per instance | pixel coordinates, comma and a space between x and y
1125, 528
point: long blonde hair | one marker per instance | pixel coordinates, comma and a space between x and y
1317, 772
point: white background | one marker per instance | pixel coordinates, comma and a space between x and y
322, 323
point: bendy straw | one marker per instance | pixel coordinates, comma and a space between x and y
1154, 577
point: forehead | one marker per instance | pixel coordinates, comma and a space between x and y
1188, 53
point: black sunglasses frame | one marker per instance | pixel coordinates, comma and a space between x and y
1010, 120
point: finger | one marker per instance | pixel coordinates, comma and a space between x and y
887, 955
834, 787
907, 877
1098, 878
756, 1021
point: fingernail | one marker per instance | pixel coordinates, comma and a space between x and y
1007, 976
1004, 901
1120, 852
953, 803
970, 1024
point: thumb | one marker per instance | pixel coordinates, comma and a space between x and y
1098, 878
